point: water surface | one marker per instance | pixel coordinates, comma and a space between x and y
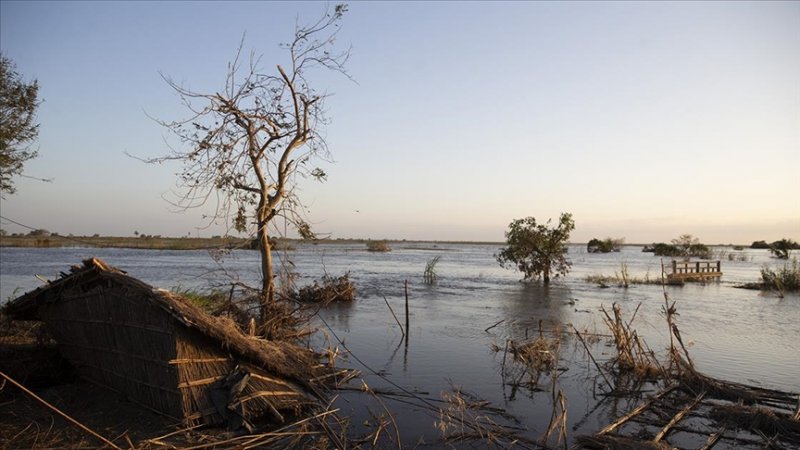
735, 334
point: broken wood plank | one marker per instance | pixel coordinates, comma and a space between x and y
678, 417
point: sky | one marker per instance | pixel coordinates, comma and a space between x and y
645, 120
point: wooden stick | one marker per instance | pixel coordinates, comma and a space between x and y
59, 412
496, 324
635, 412
394, 315
714, 438
678, 417
406, 286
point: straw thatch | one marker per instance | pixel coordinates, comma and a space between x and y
162, 352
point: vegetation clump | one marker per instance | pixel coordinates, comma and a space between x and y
780, 249
685, 246
328, 290
781, 279
607, 245
623, 278
378, 246
538, 250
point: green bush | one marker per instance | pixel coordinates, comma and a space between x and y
605, 246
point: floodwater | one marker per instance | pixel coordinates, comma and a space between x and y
734, 334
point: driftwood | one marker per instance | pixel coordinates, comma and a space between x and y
726, 407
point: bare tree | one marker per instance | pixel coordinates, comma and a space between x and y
244, 147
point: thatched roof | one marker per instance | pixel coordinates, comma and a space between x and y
280, 358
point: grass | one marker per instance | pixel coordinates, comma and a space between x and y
736, 256
149, 242
210, 302
623, 278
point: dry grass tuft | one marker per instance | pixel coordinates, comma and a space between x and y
328, 290
378, 246
539, 355
466, 417
633, 356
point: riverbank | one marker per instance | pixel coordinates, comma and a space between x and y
149, 242
178, 243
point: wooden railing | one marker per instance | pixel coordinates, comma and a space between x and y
695, 269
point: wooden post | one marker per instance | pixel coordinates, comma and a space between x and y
406, 286
719, 266
698, 267
674, 267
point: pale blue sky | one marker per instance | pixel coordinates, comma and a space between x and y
645, 120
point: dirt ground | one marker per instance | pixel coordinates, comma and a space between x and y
29, 357
26, 423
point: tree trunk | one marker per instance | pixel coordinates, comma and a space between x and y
546, 275
267, 284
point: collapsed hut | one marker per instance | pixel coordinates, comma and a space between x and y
162, 352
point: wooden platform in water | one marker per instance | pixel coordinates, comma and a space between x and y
695, 271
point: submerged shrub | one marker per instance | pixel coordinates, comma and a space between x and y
327, 290
662, 249
605, 246
697, 250
780, 249
782, 279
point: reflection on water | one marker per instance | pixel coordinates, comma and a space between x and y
739, 335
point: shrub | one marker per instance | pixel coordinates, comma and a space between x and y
684, 246
378, 246
782, 279
605, 246
780, 249
662, 249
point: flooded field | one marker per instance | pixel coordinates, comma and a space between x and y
734, 334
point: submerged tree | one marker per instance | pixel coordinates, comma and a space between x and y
688, 245
780, 249
246, 145
538, 250
18, 130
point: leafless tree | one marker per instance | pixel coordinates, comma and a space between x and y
243, 148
